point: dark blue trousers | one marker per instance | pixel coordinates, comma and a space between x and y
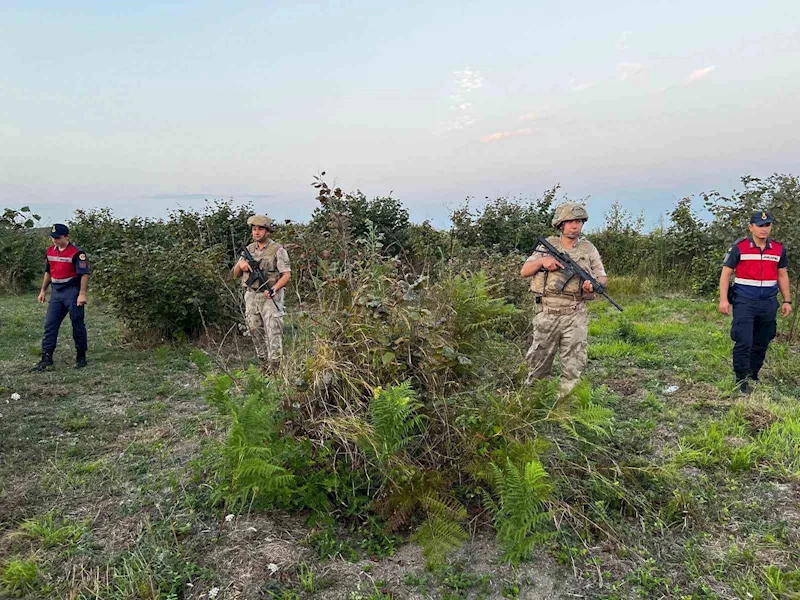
754, 327
62, 302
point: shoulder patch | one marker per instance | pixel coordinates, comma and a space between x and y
82, 256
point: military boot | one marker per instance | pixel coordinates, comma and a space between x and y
80, 359
47, 361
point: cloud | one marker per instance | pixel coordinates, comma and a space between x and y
468, 79
582, 87
461, 106
628, 70
531, 116
622, 42
504, 135
700, 73
462, 112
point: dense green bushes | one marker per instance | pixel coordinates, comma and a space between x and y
166, 277
21, 250
169, 276
388, 415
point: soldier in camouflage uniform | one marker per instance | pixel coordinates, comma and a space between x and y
562, 321
265, 317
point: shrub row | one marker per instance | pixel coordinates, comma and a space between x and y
169, 276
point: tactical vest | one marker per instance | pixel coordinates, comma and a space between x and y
267, 258
548, 283
757, 270
62, 264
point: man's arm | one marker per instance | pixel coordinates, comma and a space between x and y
596, 270
281, 283
724, 284
241, 266
284, 268
533, 266
732, 257
783, 286
82, 291
589, 288
45, 284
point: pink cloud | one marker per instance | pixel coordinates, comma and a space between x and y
531, 116
700, 73
502, 135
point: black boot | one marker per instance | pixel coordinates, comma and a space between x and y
47, 361
80, 359
754, 375
741, 384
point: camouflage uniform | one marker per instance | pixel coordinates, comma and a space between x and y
264, 318
562, 322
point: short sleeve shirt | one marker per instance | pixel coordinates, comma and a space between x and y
282, 261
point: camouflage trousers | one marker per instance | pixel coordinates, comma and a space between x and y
559, 327
265, 323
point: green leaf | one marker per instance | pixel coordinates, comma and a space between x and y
387, 357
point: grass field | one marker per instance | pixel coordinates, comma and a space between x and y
102, 493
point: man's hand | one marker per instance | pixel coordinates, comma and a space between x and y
81, 299
551, 264
587, 287
41, 297
786, 309
243, 265
725, 307
270, 293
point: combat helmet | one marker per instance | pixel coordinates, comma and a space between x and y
570, 211
260, 221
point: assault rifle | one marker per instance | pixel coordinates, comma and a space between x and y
572, 269
257, 276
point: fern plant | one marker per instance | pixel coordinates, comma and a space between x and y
583, 411
252, 459
394, 418
518, 511
442, 531
476, 314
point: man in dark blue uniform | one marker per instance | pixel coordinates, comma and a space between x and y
759, 266
68, 272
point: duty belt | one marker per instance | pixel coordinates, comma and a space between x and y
552, 310
561, 310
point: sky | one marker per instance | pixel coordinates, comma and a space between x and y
148, 107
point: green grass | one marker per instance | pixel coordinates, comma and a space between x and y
686, 494
19, 576
100, 445
50, 531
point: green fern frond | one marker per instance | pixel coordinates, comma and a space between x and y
442, 532
393, 418
518, 513
251, 466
